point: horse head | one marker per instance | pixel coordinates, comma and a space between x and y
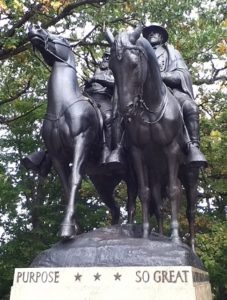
136, 71
129, 66
53, 48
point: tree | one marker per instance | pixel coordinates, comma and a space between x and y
29, 205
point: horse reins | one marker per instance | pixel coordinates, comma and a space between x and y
49, 116
132, 108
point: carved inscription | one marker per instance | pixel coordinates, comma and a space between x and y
38, 277
162, 276
101, 283
80, 276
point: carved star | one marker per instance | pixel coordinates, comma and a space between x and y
77, 277
117, 276
97, 276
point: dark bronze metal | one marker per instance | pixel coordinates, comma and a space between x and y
155, 129
117, 246
148, 111
101, 89
177, 78
72, 132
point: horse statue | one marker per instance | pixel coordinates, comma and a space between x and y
154, 128
72, 132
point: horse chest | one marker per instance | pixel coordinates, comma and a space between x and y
142, 133
139, 133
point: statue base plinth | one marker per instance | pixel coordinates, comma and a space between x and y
101, 283
114, 263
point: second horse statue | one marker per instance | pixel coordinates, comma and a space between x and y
72, 132
155, 129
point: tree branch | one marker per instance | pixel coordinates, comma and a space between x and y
218, 176
69, 8
20, 93
24, 19
3, 120
85, 37
210, 80
215, 76
22, 46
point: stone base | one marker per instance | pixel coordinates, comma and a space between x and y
117, 246
114, 263
102, 283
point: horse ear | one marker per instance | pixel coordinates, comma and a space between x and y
109, 37
136, 34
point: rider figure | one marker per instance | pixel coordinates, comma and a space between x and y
101, 89
176, 76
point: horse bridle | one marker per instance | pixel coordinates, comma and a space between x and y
131, 108
46, 40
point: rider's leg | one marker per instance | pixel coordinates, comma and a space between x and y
191, 118
190, 114
107, 118
117, 154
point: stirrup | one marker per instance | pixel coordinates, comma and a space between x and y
116, 160
195, 157
105, 154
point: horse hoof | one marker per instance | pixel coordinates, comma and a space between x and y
145, 235
146, 227
67, 231
176, 240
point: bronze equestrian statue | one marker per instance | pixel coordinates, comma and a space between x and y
176, 76
72, 132
154, 127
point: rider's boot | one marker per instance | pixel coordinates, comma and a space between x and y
39, 162
111, 159
105, 154
195, 157
116, 158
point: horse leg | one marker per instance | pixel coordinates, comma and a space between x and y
174, 190
156, 202
68, 226
143, 187
105, 186
64, 173
131, 202
191, 195
132, 192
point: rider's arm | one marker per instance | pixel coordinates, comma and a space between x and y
171, 79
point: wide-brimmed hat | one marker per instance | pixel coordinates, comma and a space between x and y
156, 28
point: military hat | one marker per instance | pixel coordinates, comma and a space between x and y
156, 28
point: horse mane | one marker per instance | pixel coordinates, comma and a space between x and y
151, 57
122, 41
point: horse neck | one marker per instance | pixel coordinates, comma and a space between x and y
63, 87
153, 89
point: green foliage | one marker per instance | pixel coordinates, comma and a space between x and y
92, 213
31, 208
212, 248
